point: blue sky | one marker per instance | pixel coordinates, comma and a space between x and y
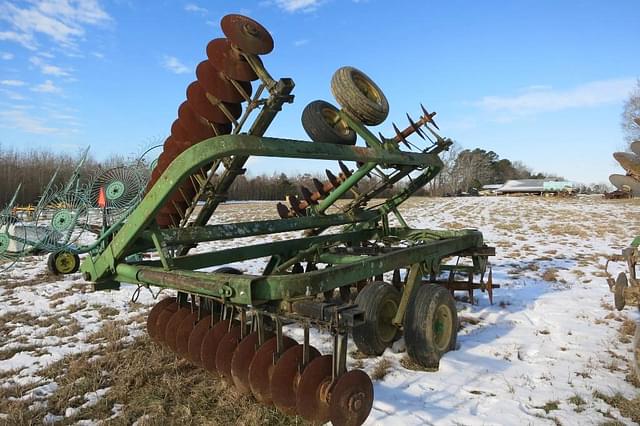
542, 81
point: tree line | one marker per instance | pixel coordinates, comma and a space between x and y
464, 171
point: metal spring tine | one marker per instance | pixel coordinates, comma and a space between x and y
332, 178
400, 135
415, 127
283, 211
295, 205
429, 116
344, 169
307, 195
319, 187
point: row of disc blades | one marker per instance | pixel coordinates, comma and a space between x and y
213, 102
630, 162
218, 346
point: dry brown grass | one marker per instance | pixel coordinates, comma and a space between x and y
151, 384
381, 369
550, 275
629, 408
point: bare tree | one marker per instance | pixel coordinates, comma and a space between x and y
631, 115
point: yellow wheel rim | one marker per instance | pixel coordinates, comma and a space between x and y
65, 262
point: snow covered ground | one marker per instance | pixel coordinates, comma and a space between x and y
550, 350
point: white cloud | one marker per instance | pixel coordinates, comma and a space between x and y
6, 56
48, 69
538, 99
174, 65
47, 87
190, 7
18, 119
63, 21
301, 42
13, 83
14, 96
298, 5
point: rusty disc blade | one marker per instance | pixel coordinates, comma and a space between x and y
164, 159
224, 58
351, 399
195, 127
163, 221
163, 319
261, 368
175, 147
217, 84
195, 339
155, 313
173, 324
168, 209
207, 105
242, 357
178, 132
224, 354
285, 378
247, 34
311, 405
155, 174
210, 345
184, 331
168, 143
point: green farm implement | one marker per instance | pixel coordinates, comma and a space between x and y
344, 260
64, 213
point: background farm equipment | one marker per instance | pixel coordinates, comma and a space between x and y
626, 290
64, 213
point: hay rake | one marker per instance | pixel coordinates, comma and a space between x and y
65, 212
331, 277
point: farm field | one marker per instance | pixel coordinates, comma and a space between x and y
551, 349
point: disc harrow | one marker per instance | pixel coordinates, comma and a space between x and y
349, 271
626, 290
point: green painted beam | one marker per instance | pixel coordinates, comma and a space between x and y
197, 234
225, 146
256, 251
253, 289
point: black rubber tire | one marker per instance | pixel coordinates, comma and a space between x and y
426, 311
380, 302
51, 264
359, 96
321, 122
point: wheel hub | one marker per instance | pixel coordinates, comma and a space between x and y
114, 190
62, 220
65, 262
441, 327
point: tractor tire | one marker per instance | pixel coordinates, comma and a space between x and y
322, 123
380, 302
63, 263
430, 325
359, 96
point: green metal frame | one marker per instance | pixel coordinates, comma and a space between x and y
422, 251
